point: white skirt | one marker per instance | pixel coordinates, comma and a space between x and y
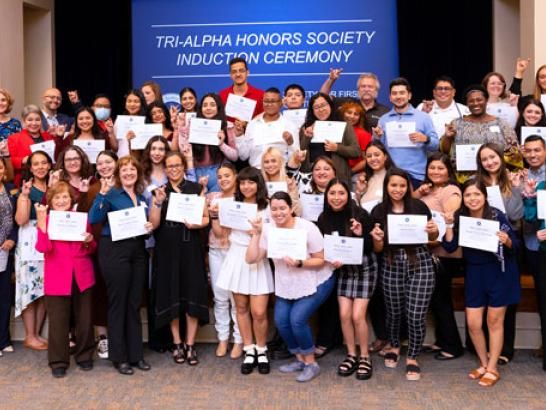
238, 276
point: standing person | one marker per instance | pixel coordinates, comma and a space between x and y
124, 265
224, 305
134, 104
188, 107
500, 101
158, 113
491, 280
294, 97
321, 108
424, 138
50, 117
355, 283
540, 83
151, 92
73, 166
302, 285
8, 124
8, 237
68, 279
274, 170
252, 283
29, 274
87, 127
407, 273
441, 194
531, 114
353, 113
179, 275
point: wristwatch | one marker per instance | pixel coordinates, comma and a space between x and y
299, 264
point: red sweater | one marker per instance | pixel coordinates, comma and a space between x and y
253, 93
364, 138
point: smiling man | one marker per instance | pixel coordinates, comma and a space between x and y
51, 118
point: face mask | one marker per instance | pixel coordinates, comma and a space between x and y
102, 113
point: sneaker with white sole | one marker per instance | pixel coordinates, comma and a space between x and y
102, 347
309, 372
292, 367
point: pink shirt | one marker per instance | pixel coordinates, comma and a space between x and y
64, 261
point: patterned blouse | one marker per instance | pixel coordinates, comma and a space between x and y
11, 126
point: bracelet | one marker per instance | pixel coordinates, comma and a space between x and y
158, 205
450, 225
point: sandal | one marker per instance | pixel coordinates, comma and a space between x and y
489, 378
191, 355
347, 366
179, 355
365, 369
503, 360
477, 373
321, 351
391, 360
413, 372
377, 345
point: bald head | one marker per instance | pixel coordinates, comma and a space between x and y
51, 100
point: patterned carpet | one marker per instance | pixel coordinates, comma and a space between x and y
26, 382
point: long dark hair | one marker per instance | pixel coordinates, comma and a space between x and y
191, 91
199, 150
86, 169
389, 163
407, 199
145, 160
483, 175
136, 93
97, 132
444, 159
310, 116
521, 121
488, 212
329, 216
158, 104
27, 173
254, 175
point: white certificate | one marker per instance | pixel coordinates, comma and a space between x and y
283, 242
328, 130
479, 233
504, 111
48, 147
279, 186
143, 134
369, 205
91, 148
541, 204
543, 99
311, 206
3, 260
127, 223
185, 208
204, 131
28, 235
407, 229
441, 222
270, 133
398, 134
236, 215
466, 157
67, 226
239, 107
295, 117
526, 131
343, 249
126, 123
494, 198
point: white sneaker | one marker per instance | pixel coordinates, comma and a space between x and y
102, 348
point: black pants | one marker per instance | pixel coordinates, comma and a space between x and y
441, 305
124, 265
5, 307
539, 273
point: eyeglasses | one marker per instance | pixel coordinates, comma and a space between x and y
174, 166
320, 106
74, 159
443, 88
271, 102
54, 97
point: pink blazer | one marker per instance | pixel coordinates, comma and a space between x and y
64, 261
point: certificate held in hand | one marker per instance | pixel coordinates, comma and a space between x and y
328, 130
92, 148
143, 134
343, 249
311, 206
48, 147
236, 215
479, 233
127, 223
283, 242
239, 107
398, 133
276, 186
204, 131
466, 157
185, 208
407, 229
67, 226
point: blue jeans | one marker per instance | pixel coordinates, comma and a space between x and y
209, 171
292, 317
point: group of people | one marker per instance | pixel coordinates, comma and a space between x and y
440, 164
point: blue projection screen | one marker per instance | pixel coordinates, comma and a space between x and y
189, 43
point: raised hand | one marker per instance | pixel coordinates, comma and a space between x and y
221, 137
159, 195
356, 227
424, 189
106, 183
427, 105
521, 66
449, 217
41, 211
73, 96
84, 184
513, 100
25, 188
288, 138
330, 146
130, 135
54, 177
377, 233
257, 225
361, 183
335, 73
377, 131
451, 131
4, 148
60, 130
308, 132
431, 227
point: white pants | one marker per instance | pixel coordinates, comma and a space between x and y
222, 300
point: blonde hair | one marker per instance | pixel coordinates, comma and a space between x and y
274, 152
130, 160
10, 99
538, 91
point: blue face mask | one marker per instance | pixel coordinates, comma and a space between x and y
102, 113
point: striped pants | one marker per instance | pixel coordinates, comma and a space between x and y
407, 289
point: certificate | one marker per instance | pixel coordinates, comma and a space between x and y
466, 157
311, 206
67, 226
91, 148
204, 131
279, 186
479, 233
504, 111
541, 204
270, 133
3, 260
328, 130
283, 242
494, 198
407, 229
48, 147
526, 131
343, 249
438, 217
185, 208
28, 235
127, 223
369, 205
398, 134
296, 118
543, 99
143, 134
240, 107
236, 215
126, 123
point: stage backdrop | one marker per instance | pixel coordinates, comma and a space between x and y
189, 43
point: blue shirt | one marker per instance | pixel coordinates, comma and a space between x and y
411, 160
114, 200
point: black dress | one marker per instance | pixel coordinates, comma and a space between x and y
179, 280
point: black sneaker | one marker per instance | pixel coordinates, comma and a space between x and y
86, 365
58, 372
